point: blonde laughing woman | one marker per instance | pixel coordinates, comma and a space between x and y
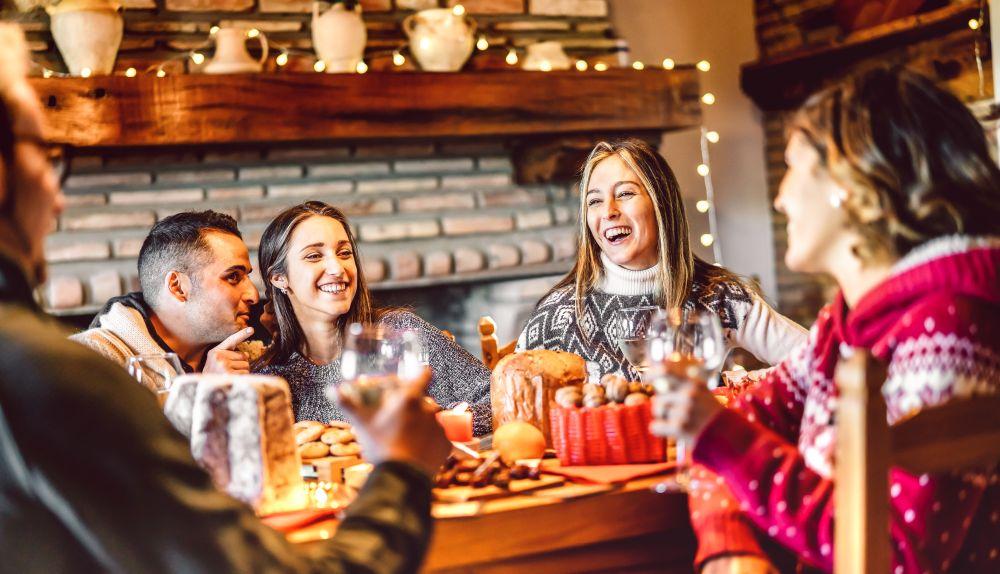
634, 251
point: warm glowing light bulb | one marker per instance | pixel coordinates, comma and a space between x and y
511, 58
458, 10
712, 136
545, 66
253, 33
702, 169
362, 67
581, 65
161, 73
85, 72
319, 66
213, 30
707, 239
703, 206
482, 44
130, 73
703, 65
974, 24
637, 65
708, 99
198, 58
398, 59
668, 64
282, 59
600, 67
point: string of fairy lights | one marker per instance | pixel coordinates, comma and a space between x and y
512, 58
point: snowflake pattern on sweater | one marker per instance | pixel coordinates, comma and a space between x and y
768, 461
554, 324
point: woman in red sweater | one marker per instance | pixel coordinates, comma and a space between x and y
890, 189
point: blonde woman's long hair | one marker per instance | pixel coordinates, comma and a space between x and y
677, 266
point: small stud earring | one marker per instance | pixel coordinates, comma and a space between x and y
837, 199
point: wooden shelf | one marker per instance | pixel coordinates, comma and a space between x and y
784, 81
115, 111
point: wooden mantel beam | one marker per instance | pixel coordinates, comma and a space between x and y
116, 111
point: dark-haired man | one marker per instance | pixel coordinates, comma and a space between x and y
194, 270
92, 476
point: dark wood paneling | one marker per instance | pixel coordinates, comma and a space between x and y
783, 82
201, 109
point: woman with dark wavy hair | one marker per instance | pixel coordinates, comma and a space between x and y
313, 276
890, 189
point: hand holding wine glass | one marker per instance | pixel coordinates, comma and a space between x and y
685, 352
375, 358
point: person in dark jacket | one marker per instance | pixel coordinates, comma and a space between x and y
94, 478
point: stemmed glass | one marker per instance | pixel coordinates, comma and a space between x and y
375, 357
629, 328
156, 372
684, 346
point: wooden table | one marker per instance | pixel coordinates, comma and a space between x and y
622, 529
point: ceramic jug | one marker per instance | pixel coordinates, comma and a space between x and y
546, 56
231, 56
87, 33
440, 40
339, 37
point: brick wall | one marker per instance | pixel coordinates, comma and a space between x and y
783, 26
424, 212
160, 30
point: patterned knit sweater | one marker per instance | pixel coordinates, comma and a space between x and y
936, 322
458, 376
747, 320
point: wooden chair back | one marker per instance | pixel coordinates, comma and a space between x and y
492, 350
962, 434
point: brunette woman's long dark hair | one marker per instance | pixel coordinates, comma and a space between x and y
273, 260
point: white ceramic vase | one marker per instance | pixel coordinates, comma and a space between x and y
231, 56
546, 56
440, 40
87, 33
339, 37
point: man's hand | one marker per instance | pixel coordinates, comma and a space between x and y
223, 358
739, 565
402, 427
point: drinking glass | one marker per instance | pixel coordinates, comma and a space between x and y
684, 346
156, 372
629, 327
375, 357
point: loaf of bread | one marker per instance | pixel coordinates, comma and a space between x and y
241, 432
524, 384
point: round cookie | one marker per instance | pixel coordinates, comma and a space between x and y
313, 450
352, 449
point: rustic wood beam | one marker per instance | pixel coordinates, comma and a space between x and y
783, 82
116, 111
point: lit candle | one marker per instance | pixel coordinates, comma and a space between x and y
457, 423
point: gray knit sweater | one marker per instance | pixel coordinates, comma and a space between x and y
458, 376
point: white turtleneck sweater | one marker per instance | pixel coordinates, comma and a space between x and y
747, 320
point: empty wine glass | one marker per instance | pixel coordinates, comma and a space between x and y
684, 347
156, 372
629, 327
375, 357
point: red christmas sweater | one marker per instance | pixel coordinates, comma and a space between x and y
767, 462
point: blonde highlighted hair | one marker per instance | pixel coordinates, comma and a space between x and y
677, 266
914, 159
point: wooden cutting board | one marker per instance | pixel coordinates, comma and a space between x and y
467, 493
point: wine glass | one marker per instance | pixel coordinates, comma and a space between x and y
684, 346
629, 327
156, 372
374, 357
